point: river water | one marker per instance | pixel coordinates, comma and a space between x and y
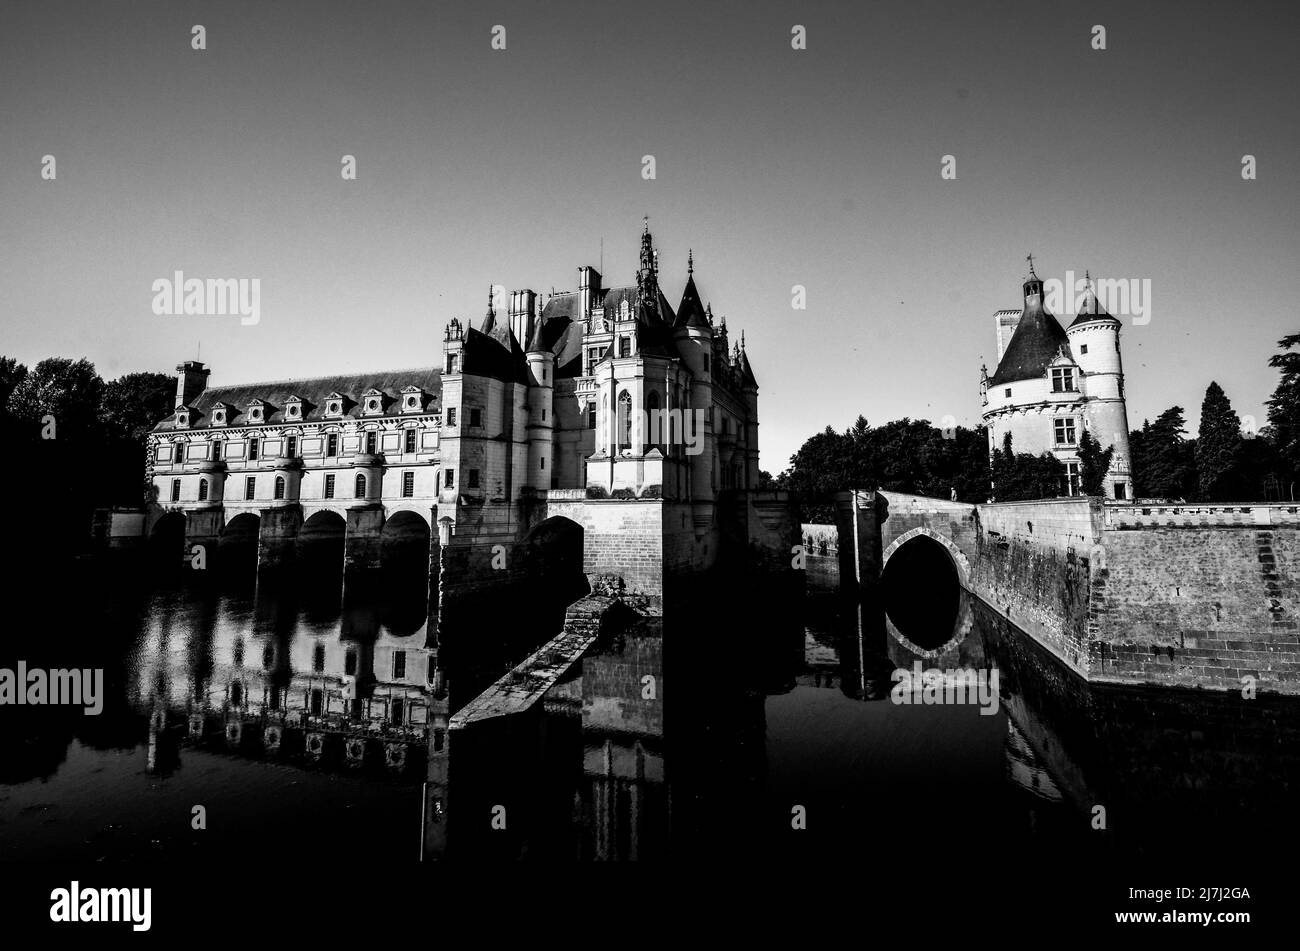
298, 719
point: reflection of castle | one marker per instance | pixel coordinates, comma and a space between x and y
261, 682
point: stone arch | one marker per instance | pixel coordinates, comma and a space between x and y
239, 538
167, 537
959, 560
321, 540
553, 555
404, 540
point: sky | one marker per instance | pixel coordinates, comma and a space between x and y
818, 167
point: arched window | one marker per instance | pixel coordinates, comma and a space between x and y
361, 486
203, 490
625, 420
654, 421
279, 487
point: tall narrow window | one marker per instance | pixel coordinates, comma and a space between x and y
625, 420
318, 659
399, 712
408, 484
360, 486
654, 419
1062, 379
473, 478
399, 664
279, 487
252, 449
371, 439
329, 485
317, 702
291, 447
176, 490
625, 346
216, 452
1064, 430
332, 444
410, 440
450, 480
250, 487
350, 663
451, 416
591, 416
203, 490
475, 416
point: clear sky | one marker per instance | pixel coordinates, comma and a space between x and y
779, 167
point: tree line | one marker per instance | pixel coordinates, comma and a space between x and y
1225, 461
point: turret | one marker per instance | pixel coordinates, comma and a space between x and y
191, 380
1094, 346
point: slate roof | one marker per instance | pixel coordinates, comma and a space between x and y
690, 312
315, 391
1092, 311
1035, 343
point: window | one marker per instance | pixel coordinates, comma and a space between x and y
332, 444
1062, 379
543, 414
279, 487
399, 664
1071, 478
625, 419
329, 485
399, 711
1064, 427
473, 478
543, 462
317, 702
476, 417
350, 663
412, 402
236, 694
625, 346
335, 408
450, 480
408, 484
360, 487
203, 490
429, 670
370, 442
591, 416
293, 411
1007, 393
706, 363
268, 656
1121, 490
176, 490
594, 356
372, 406
410, 440
451, 416
216, 452
238, 652
318, 659
252, 449
291, 447
250, 487
1083, 348
453, 363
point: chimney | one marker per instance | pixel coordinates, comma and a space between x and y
521, 315
191, 380
588, 290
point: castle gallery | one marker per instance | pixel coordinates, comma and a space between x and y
598, 393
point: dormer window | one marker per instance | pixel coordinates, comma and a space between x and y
257, 411
293, 411
182, 417
1062, 379
412, 399
372, 402
219, 414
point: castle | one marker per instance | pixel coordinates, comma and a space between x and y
603, 393
1053, 384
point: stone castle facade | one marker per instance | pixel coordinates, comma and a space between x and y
1052, 384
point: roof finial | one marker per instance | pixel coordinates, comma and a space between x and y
645, 224
1030, 258
491, 312
690, 261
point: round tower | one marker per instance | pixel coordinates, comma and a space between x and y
541, 416
1094, 345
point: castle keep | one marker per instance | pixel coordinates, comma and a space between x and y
1053, 384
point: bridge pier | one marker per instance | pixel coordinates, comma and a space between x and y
203, 527
361, 543
277, 538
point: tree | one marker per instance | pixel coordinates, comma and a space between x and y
1094, 463
1019, 477
1218, 447
132, 405
1164, 462
1284, 407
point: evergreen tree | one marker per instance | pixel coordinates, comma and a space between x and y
1094, 463
1218, 448
1164, 464
1284, 408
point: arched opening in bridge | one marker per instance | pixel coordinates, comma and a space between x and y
167, 540
552, 554
405, 560
922, 591
320, 546
237, 545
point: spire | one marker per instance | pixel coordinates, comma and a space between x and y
1091, 309
690, 261
489, 321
